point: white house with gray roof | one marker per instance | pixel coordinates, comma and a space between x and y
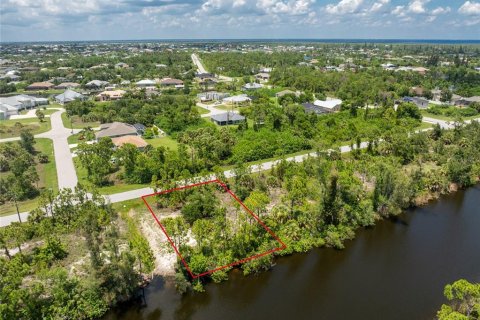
69, 96
13, 105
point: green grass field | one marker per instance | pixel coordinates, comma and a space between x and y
47, 173
202, 110
12, 128
163, 141
425, 113
77, 122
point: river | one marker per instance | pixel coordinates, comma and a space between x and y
395, 270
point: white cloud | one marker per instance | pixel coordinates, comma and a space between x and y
417, 6
399, 11
285, 7
344, 6
440, 10
470, 8
377, 6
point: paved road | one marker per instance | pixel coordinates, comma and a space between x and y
196, 61
67, 176
213, 110
201, 69
444, 123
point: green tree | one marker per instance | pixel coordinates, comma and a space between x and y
464, 301
27, 141
40, 115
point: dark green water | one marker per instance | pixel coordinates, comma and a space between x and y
396, 270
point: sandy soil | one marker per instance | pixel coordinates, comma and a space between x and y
165, 256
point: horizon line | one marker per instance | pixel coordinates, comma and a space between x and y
249, 39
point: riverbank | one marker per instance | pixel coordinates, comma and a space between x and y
399, 263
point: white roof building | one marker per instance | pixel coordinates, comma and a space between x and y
241, 98
12, 105
146, 83
330, 103
252, 86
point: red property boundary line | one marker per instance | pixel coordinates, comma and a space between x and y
217, 181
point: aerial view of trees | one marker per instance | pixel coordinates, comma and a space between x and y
107, 261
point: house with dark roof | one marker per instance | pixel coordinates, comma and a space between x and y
116, 129
96, 84
464, 102
170, 82
312, 108
206, 75
421, 103
227, 118
67, 85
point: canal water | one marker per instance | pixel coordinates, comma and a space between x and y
395, 270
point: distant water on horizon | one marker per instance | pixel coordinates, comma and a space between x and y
286, 40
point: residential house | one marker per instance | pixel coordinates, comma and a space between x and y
421, 103
203, 76
67, 85
170, 82
238, 99
140, 128
146, 83
311, 108
330, 104
212, 96
262, 76
137, 141
227, 118
40, 86
69, 96
465, 102
286, 92
252, 86
96, 84
14, 104
207, 83
116, 129
109, 95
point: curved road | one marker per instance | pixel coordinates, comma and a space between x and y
67, 177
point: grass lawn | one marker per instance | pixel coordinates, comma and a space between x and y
424, 125
45, 111
75, 138
47, 173
202, 110
125, 206
77, 122
10, 128
163, 141
445, 118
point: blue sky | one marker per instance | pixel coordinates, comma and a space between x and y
41, 20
